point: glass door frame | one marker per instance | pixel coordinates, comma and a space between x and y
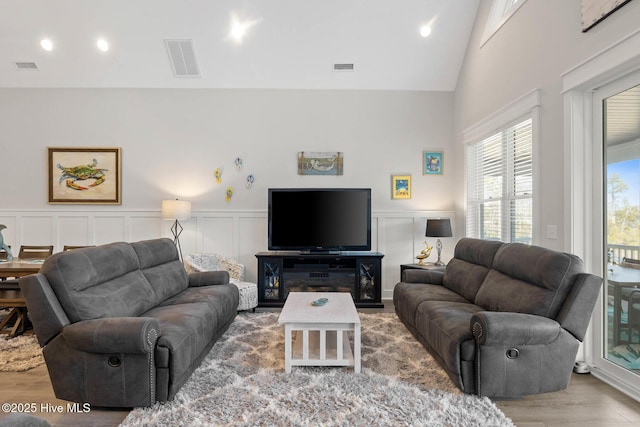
601, 364
582, 234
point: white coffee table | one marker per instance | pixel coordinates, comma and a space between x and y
321, 337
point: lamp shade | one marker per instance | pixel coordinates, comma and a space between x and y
438, 228
176, 209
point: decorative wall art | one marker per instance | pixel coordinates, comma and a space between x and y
432, 162
401, 186
595, 11
217, 173
320, 163
84, 175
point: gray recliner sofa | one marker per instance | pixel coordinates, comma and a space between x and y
123, 325
503, 319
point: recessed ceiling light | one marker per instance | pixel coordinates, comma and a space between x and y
103, 45
240, 28
46, 44
425, 30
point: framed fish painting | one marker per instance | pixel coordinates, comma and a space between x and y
320, 163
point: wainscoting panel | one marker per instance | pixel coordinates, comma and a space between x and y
72, 231
144, 227
110, 229
36, 230
238, 234
217, 234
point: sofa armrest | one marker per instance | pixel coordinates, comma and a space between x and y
432, 277
207, 278
131, 335
520, 354
513, 329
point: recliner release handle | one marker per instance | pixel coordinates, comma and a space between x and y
512, 353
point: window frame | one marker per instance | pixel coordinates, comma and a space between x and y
524, 108
500, 13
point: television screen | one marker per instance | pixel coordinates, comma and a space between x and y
327, 219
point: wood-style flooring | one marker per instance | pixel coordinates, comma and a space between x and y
587, 402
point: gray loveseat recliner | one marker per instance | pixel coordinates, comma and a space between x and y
123, 325
503, 319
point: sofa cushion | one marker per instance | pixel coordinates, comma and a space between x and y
528, 279
408, 296
445, 326
222, 300
185, 331
469, 267
98, 282
161, 266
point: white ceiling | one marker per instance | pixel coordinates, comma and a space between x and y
292, 44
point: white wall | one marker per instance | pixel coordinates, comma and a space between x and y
540, 42
173, 139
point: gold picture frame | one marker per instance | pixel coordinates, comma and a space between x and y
400, 187
84, 175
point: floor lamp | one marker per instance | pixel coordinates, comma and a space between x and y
438, 228
176, 210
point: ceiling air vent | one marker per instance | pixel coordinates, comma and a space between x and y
343, 67
183, 58
26, 66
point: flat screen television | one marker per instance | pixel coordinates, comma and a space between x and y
319, 219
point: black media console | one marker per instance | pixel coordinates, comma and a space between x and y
356, 272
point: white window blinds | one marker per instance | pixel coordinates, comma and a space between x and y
500, 185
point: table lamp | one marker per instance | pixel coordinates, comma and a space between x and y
438, 228
176, 210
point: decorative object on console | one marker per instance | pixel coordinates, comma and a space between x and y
424, 254
84, 175
432, 162
4, 247
401, 186
320, 163
177, 210
438, 228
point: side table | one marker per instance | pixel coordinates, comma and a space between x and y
425, 266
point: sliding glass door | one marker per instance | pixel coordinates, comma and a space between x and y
621, 228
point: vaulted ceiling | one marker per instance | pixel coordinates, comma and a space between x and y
288, 43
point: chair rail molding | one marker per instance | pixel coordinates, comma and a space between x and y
238, 234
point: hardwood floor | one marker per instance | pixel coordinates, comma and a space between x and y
587, 402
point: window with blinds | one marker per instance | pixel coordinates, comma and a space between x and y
500, 185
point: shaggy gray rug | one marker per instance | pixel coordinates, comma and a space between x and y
20, 353
242, 383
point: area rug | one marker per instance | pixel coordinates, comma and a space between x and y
242, 383
20, 353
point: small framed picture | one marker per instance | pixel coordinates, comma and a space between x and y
432, 162
401, 186
84, 175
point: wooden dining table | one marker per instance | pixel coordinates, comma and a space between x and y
10, 294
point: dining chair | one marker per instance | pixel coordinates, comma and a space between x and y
35, 252
630, 263
72, 247
3, 254
630, 295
